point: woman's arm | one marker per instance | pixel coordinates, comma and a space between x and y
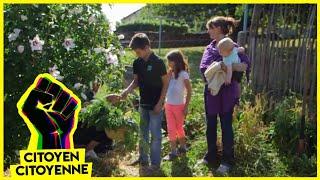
206, 60
245, 65
241, 67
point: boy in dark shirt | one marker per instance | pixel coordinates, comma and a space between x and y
150, 75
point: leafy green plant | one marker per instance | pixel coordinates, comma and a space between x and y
104, 115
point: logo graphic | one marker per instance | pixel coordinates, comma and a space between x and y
51, 111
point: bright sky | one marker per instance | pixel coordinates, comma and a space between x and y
118, 11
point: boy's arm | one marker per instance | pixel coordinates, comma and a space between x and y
165, 83
114, 98
131, 87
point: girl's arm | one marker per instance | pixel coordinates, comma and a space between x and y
187, 84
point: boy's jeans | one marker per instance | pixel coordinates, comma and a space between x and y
150, 122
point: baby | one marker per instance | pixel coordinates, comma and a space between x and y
229, 53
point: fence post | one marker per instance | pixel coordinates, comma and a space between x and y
242, 38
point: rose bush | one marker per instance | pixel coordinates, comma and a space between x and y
73, 43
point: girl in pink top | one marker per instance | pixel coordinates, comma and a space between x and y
176, 106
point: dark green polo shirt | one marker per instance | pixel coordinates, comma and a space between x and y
149, 79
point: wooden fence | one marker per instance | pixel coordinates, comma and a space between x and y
282, 44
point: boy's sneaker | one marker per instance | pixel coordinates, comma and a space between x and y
170, 157
153, 170
223, 169
138, 161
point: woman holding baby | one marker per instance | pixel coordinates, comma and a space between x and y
222, 104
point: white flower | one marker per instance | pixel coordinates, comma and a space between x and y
36, 44
20, 49
112, 28
62, 16
55, 73
83, 96
68, 44
121, 36
77, 85
17, 31
110, 49
92, 19
122, 52
23, 18
111, 58
76, 10
13, 36
98, 50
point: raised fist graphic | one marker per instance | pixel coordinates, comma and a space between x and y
52, 110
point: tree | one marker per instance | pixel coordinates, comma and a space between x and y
194, 15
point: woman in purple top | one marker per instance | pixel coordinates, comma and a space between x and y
223, 103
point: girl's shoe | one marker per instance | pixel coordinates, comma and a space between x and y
182, 150
170, 157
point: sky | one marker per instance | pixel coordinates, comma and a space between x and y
118, 11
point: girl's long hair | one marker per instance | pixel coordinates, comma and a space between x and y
180, 62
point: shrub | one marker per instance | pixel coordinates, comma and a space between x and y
74, 43
153, 26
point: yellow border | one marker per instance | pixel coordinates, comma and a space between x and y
318, 90
152, 1
1, 90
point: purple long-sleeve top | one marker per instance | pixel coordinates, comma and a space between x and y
228, 95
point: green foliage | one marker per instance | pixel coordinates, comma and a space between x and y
102, 114
193, 15
84, 24
153, 25
267, 147
284, 131
255, 154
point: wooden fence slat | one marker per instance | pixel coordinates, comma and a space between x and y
277, 47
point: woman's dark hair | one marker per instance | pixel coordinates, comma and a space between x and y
179, 60
139, 41
227, 24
